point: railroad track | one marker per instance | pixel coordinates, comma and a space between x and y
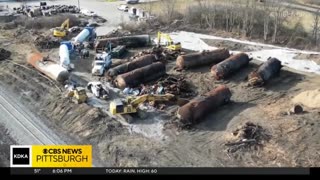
22, 125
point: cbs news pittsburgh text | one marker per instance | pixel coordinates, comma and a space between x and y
77, 160
45, 156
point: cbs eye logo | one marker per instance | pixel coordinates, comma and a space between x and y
20, 156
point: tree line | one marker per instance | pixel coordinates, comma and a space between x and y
264, 19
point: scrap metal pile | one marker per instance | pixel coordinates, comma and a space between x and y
248, 136
114, 33
45, 10
128, 41
152, 51
160, 53
4, 54
46, 42
176, 85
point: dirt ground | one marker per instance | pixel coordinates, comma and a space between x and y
294, 138
5, 142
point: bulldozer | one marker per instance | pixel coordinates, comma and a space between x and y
61, 31
78, 95
130, 105
170, 45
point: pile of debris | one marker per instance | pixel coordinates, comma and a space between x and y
248, 136
114, 33
4, 54
154, 51
46, 42
175, 85
160, 53
45, 10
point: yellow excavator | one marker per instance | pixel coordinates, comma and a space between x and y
130, 105
62, 30
170, 45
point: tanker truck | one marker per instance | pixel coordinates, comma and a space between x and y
66, 47
87, 34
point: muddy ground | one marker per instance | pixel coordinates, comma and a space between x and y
294, 138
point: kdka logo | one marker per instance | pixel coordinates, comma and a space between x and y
20, 156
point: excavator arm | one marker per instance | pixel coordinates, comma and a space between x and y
170, 44
131, 105
150, 97
166, 37
65, 24
62, 30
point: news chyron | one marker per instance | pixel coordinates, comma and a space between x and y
51, 156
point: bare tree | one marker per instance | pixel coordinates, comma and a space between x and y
148, 6
229, 15
315, 28
266, 19
232, 15
251, 18
208, 13
245, 19
280, 13
227, 18
169, 8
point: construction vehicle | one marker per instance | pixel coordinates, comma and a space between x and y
130, 105
101, 63
169, 44
62, 30
87, 34
98, 90
65, 49
78, 95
